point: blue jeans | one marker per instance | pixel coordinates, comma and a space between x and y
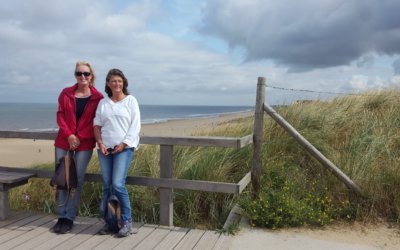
114, 169
82, 159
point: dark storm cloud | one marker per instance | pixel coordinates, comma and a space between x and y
306, 34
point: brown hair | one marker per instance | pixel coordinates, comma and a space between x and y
116, 72
93, 74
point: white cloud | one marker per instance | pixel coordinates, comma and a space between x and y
307, 44
359, 82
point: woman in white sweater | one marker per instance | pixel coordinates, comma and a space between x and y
116, 129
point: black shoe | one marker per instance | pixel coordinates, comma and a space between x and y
105, 230
66, 226
57, 227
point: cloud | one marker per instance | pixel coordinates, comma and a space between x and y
41, 42
396, 66
308, 34
359, 82
294, 44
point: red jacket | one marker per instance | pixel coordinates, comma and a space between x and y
66, 119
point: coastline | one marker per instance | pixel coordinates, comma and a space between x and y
28, 152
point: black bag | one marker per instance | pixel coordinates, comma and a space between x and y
65, 176
110, 210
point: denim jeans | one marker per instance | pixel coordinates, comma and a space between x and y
114, 169
82, 159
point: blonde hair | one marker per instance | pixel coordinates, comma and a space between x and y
93, 74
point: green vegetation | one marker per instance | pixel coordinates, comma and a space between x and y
360, 134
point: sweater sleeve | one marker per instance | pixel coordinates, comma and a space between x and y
132, 136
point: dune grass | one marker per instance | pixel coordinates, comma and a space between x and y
360, 134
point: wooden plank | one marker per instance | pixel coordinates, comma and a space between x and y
153, 239
312, 150
31, 224
80, 238
21, 223
190, 240
47, 239
132, 241
89, 242
28, 135
208, 186
166, 194
92, 242
245, 140
258, 137
28, 171
244, 182
14, 177
225, 142
172, 239
234, 217
224, 242
27, 236
232, 142
14, 216
207, 241
114, 241
4, 203
80, 224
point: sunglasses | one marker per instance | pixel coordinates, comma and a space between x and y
82, 74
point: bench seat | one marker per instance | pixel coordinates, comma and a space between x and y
8, 180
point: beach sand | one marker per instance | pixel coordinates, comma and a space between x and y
28, 152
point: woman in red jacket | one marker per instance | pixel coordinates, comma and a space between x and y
76, 109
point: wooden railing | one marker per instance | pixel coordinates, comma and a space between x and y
262, 107
166, 183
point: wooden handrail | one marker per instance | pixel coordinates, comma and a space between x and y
204, 141
197, 185
166, 183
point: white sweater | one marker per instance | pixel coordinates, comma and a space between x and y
119, 121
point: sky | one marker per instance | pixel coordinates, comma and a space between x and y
193, 52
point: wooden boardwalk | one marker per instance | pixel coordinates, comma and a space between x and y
26, 230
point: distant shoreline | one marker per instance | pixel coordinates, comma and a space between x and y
41, 117
28, 152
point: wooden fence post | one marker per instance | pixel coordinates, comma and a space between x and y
312, 150
258, 136
166, 194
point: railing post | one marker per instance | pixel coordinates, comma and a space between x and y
258, 136
166, 194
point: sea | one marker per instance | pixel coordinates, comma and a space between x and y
42, 116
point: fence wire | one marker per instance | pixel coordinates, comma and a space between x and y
323, 92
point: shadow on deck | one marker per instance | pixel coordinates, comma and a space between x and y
27, 230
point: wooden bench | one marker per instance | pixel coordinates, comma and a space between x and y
8, 180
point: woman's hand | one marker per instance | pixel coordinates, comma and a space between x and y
119, 148
103, 149
73, 142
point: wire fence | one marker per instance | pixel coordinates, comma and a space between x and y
325, 92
